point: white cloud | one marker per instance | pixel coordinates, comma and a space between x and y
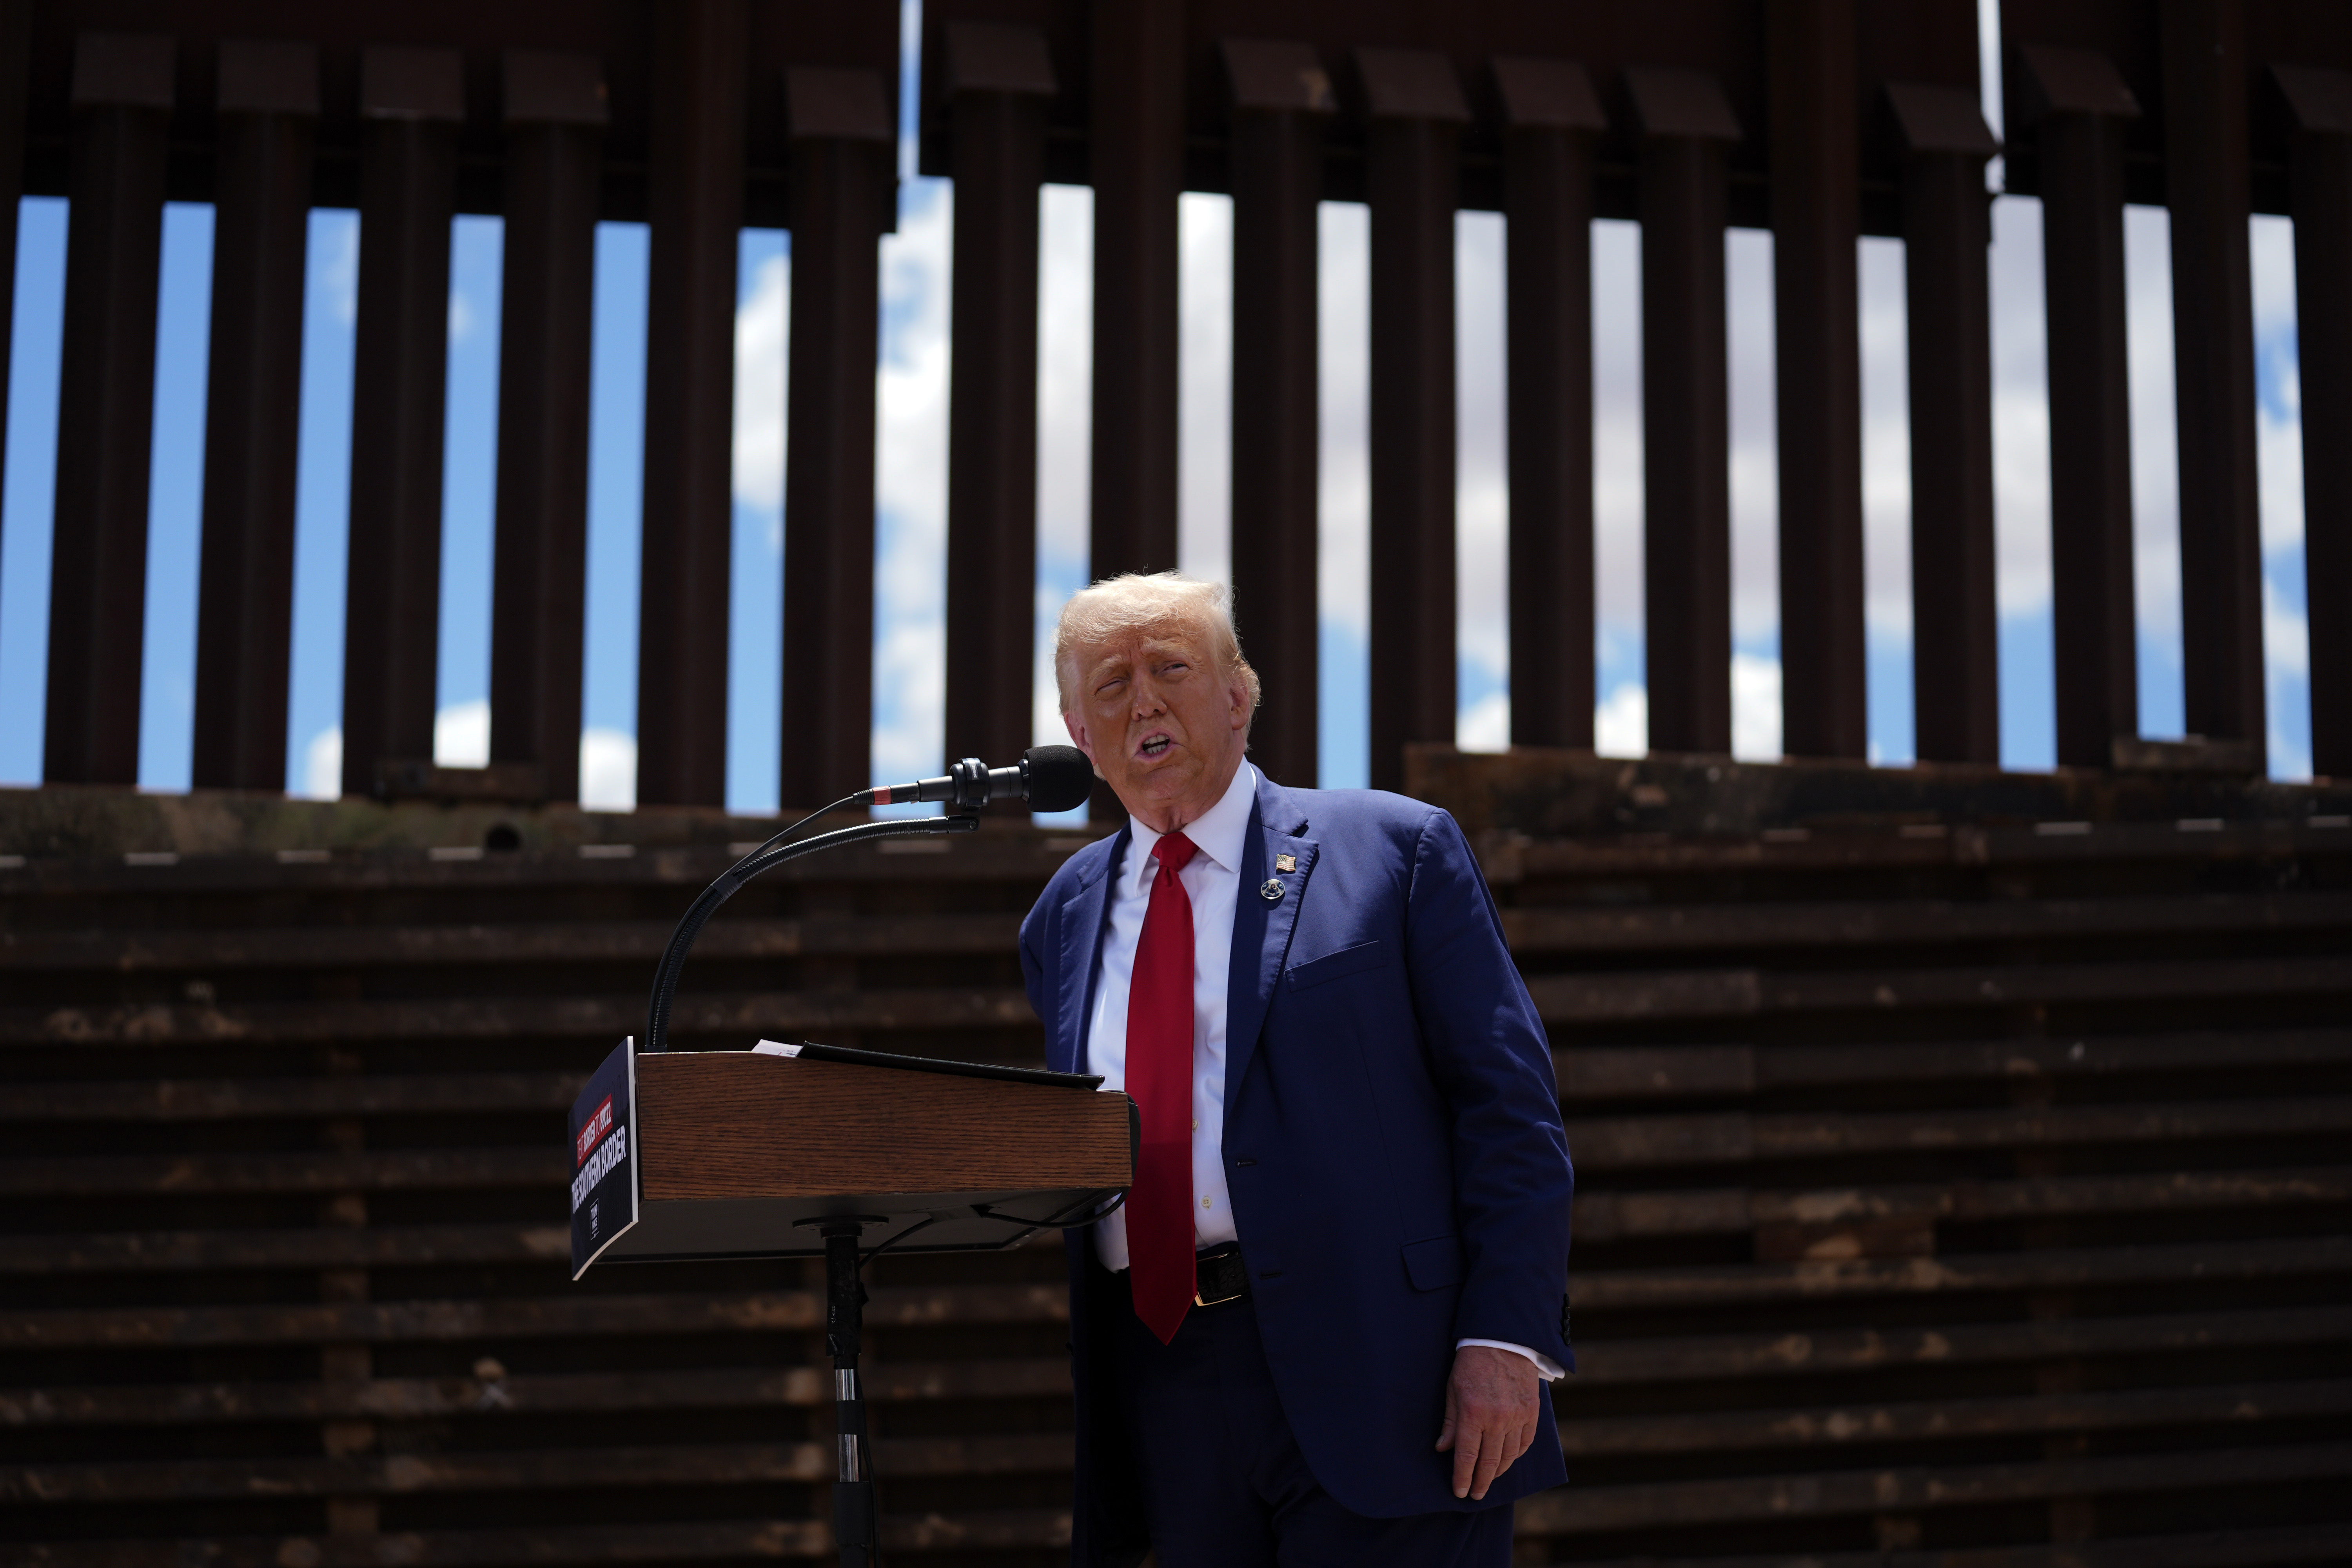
1886, 439
322, 766
461, 739
910, 672
1066, 343
1344, 500
911, 446
2278, 459
1066, 339
335, 234
2286, 633
461, 317
1485, 725
2155, 430
910, 486
2278, 435
2020, 409
2271, 246
1620, 724
608, 770
461, 735
1617, 486
1482, 493
2278, 418
1751, 358
1755, 707
2286, 653
1204, 469
763, 342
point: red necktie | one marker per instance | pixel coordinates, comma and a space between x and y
1159, 1078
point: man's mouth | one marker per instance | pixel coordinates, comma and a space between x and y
1154, 746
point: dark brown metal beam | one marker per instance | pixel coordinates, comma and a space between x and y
122, 88
15, 69
998, 80
694, 199
1282, 99
1416, 112
1955, 630
2207, 174
1552, 118
1136, 106
1816, 223
2079, 104
410, 101
555, 116
2319, 109
1686, 127
268, 101
842, 195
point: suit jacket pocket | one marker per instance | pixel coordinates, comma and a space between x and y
1337, 965
1434, 1264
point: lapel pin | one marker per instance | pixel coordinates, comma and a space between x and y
1270, 891
1286, 862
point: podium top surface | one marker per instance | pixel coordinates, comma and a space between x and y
736, 1124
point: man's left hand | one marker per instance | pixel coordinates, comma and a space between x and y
1491, 1409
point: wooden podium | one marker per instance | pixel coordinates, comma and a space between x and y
742, 1154
795, 1150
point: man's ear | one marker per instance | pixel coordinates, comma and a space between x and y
1077, 734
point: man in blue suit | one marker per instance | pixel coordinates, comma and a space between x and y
1323, 1329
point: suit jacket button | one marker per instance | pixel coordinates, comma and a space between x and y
1270, 891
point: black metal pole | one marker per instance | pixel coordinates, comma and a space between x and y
855, 1528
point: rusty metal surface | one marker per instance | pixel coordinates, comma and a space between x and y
1283, 103
781, 33
1962, 1152
695, 208
1416, 111
1955, 651
411, 102
253, 420
1547, 171
554, 112
842, 184
1815, 135
106, 398
1979, 1193
1000, 81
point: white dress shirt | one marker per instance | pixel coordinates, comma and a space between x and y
1211, 881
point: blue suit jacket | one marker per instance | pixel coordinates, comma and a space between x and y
1392, 1144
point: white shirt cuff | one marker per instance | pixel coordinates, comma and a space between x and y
1552, 1370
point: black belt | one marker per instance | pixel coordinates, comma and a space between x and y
1219, 1275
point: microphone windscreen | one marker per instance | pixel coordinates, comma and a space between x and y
1059, 777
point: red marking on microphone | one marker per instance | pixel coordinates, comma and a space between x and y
881, 797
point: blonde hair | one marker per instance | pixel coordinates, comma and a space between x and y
1133, 601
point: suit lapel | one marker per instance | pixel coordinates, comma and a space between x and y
1082, 932
1261, 931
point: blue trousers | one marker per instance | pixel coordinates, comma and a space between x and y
1224, 1485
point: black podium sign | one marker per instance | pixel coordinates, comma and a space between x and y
605, 1158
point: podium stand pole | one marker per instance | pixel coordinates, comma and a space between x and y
855, 1522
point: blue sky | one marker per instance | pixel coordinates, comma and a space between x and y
910, 470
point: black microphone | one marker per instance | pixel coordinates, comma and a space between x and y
1050, 778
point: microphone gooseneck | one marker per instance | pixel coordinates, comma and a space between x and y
1049, 778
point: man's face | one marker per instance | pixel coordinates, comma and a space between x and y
1165, 730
